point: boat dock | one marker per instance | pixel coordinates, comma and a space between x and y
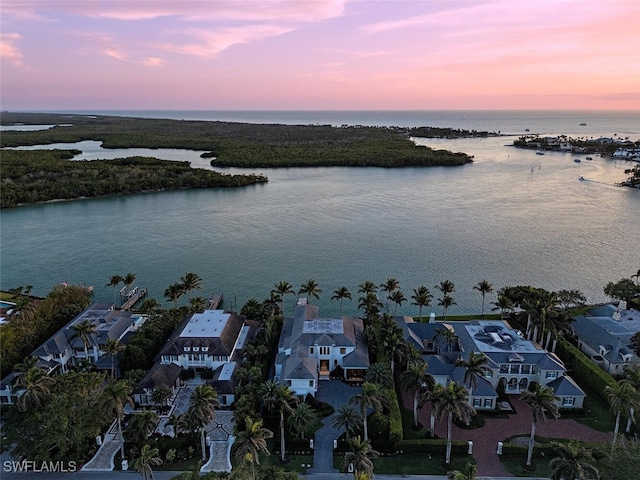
215, 301
133, 296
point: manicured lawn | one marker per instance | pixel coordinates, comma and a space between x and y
298, 463
514, 464
409, 464
600, 417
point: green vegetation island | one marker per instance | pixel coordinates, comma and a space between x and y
40, 176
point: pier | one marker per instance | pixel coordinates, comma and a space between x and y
214, 302
133, 296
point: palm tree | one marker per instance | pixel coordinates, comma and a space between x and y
202, 410
474, 367
573, 462
311, 289
197, 304
142, 425
277, 397
250, 441
398, 298
539, 399
446, 287
114, 281
32, 388
418, 382
149, 306
367, 287
84, 330
622, 398
191, 282
371, 396
504, 304
380, 374
484, 287
283, 288
301, 418
116, 395
173, 293
421, 298
468, 473
632, 376
128, 280
448, 336
370, 304
149, 457
445, 302
272, 305
390, 286
161, 395
112, 348
340, 294
452, 400
360, 455
348, 418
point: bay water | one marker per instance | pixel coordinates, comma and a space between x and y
512, 217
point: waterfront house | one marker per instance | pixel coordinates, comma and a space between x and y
312, 349
513, 362
604, 334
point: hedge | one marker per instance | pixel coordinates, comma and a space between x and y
584, 370
423, 445
395, 419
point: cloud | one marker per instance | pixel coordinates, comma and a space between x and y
154, 62
9, 49
210, 43
115, 52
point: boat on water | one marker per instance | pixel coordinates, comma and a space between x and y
539, 152
583, 124
577, 160
581, 178
588, 158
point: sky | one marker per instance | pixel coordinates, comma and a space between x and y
319, 54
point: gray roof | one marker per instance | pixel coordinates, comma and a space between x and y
566, 387
160, 374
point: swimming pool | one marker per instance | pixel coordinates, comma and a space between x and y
6, 305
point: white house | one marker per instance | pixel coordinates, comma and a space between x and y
311, 348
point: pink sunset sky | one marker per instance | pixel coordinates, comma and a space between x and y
320, 54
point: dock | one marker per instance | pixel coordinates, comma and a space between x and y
133, 296
215, 301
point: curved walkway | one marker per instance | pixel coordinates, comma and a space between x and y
103, 460
485, 440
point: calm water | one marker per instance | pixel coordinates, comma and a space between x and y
512, 217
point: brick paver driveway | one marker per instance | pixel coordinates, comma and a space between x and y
485, 440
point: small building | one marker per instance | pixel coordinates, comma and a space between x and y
312, 348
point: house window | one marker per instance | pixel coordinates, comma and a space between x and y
343, 350
525, 369
488, 403
488, 373
553, 374
223, 399
311, 383
568, 401
515, 369
205, 349
504, 368
325, 350
312, 350
289, 383
187, 349
477, 402
196, 349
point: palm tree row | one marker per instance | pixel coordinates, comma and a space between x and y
188, 283
116, 280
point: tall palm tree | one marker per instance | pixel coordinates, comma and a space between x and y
340, 294
346, 417
301, 418
371, 396
367, 287
475, 366
370, 305
445, 302
142, 425
573, 462
483, 287
112, 348
446, 287
380, 374
398, 298
84, 331
504, 304
190, 282
360, 455
128, 280
197, 304
448, 336
279, 398
161, 395
467, 473
32, 388
418, 382
452, 400
202, 410
539, 399
173, 293
114, 281
283, 288
632, 376
149, 306
389, 286
272, 305
251, 441
622, 398
311, 289
116, 395
421, 298
149, 457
